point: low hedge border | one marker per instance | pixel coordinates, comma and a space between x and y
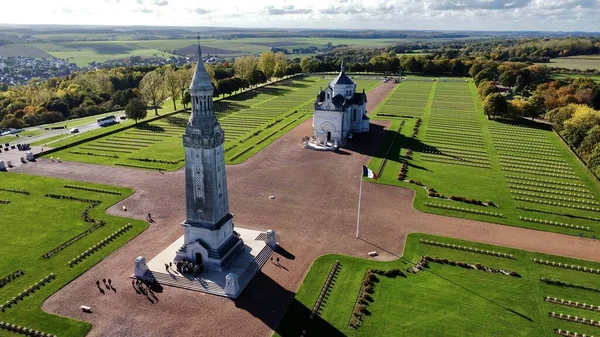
560, 283
95, 154
72, 240
27, 292
23, 330
150, 160
99, 245
15, 191
467, 249
10, 277
476, 266
4, 202
91, 189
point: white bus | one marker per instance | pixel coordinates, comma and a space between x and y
108, 120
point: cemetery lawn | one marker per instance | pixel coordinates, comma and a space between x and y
251, 121
527, 172
445, 300
34, 224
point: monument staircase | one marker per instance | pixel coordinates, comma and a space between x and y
259, 261
208, 286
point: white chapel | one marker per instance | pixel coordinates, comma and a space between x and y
340, 112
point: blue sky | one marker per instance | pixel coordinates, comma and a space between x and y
550, 15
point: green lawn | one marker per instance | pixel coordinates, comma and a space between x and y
528, 173
251, 121
445, 300
33, 224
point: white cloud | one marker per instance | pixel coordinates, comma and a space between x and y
567, 15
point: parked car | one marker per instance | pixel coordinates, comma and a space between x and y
74, 130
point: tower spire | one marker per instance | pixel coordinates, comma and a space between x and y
343, 68
199, 52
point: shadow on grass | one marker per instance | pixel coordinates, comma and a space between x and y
297, 319
524, 121
177, 121
481, 296
150, 127
267, 300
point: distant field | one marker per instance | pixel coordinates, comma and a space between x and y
22, 50
571, 76
576, 62
84, 52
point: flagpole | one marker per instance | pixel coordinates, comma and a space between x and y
359, 197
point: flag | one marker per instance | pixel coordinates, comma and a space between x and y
369, 173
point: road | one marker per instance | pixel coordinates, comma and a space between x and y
51, 133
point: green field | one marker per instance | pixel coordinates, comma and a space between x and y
84, 52
33, 224
444, 299
576, 62
596, 78
530, 176
251, 121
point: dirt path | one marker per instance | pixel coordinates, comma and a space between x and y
314, 213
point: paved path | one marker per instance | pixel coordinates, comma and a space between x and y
314, 213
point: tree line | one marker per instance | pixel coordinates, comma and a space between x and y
90, 93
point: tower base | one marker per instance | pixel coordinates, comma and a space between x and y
253, 254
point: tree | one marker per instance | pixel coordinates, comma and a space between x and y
558, 116
508, 78
173, 85
486, 74
590, 141
11, 122
278, 72
266, 63
536, 106
485, 89
186, 99
152, 89
185, 78
244, 66
577, 127
119, 98
136, 109
305, 64
58, 106
257, 77
280, 64
495, 105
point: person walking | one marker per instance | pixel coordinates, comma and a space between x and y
278, 260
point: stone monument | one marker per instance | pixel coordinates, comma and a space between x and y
209, 239
210, 256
